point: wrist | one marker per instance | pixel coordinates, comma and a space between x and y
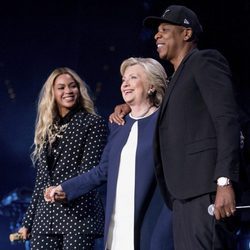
223, 182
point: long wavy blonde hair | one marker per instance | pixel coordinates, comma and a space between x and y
47, 109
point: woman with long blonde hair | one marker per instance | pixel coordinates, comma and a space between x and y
48, 108
69, 139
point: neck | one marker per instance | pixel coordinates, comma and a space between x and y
138, 112
181, 55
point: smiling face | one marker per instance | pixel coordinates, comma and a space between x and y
170, 40
135, 86
66, 93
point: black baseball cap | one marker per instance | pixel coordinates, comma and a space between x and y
176, 15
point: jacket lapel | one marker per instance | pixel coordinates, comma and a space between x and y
173, 83
64, 140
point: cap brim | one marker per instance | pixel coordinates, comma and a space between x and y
153, 22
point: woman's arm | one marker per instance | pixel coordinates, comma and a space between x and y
83, 183
79, 185
40, 184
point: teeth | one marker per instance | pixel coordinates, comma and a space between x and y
159, 45
69, 97
127, 91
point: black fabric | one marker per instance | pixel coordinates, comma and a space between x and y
79, 150
59, 121
177, 15
62, 242
195, 229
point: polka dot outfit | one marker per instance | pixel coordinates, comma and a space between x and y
65, 242
78, 151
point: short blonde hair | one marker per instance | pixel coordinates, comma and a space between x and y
155, 73
47, 109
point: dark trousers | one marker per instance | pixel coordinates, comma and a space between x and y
195, 229
62, 242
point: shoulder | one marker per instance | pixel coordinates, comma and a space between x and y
209, 60
115, 128
209, 54
84, 117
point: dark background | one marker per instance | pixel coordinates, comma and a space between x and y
93, 38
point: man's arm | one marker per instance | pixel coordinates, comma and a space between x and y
213, 78
118, 114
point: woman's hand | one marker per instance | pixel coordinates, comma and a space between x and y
23, 231
118, 114
54, 193
47, 192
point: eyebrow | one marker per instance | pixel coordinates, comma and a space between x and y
74, 82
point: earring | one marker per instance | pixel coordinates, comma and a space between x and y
150, 92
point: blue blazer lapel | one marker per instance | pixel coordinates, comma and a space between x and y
118, 143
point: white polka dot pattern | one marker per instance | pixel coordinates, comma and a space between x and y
79, 150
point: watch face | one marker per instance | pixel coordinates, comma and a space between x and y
223, 181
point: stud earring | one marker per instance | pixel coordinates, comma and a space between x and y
150, 92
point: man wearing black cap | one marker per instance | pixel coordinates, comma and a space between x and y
197, 140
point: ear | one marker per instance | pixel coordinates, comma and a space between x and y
151, 90
152, 87
188, 34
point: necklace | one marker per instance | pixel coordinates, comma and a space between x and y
59, 130
143, 114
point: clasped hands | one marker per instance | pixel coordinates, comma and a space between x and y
55, 194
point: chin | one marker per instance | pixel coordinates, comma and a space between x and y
70, 104
163, 56
128, 101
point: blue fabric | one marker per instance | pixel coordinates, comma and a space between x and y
152, 218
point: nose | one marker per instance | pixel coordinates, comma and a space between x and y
157, 35
125, 83
68, 89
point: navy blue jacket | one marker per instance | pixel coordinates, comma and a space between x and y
152, 218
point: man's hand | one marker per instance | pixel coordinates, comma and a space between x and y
119, 112
224, 205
